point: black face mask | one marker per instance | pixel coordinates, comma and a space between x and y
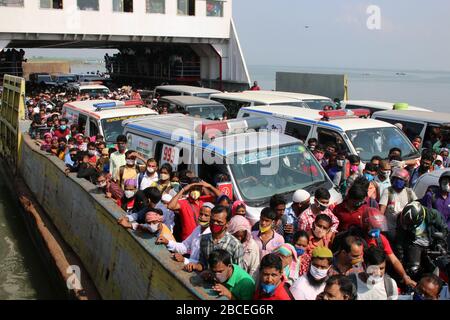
73, 158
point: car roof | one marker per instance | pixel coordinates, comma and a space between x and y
190, 100
182, 128
189, 89
254, 97
313, 116
438, 117
92, 86
293, 95
87, 107
379, 104
427, 180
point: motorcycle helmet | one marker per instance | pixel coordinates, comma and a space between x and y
373, 219
412, 215
401, 174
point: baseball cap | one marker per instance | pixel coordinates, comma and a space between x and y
322, 252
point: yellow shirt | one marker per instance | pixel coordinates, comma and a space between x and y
128, 173
165, 231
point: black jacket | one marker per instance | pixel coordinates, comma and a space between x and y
434, 223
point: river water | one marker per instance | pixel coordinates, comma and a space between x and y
22, 273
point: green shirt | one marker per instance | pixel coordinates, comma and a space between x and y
240, 284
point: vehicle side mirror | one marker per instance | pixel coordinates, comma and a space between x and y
438, 236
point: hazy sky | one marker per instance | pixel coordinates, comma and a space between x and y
414, 34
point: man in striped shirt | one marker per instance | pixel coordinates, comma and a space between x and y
219, 238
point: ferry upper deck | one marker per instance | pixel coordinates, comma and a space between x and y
177, 41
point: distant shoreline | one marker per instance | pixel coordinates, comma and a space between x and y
69, 60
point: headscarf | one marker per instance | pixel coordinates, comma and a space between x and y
239, 223
286, 250
130, 183
237, 204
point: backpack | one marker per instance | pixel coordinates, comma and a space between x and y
388, 286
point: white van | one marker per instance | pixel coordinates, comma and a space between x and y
258, 166
104, 116
311, 101
236, 100
194, 106
169, 90
415, 123
374, 106
90, 88
364, 137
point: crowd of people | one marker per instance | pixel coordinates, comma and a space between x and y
375, 245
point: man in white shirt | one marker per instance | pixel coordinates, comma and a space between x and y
150, 175
384, 174
311, 284
374, 283
169, 215
117, 159
191, 244
395, 198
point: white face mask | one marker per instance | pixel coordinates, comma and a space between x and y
131, 162
445, 187
102, 184
373, 280
129, 193
83, 147
386, 173
150, 170
340, 163
164, 176
154, 227
317, 273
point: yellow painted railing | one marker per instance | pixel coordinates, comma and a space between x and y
12, 110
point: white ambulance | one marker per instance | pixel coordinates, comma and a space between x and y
349, 130
104, 116
259, 164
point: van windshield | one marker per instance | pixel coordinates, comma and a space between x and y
261, 174
207, 112
378, 142
319, 104
94, 92
112, 127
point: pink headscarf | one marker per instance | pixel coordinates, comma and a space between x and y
130, 183
284, 250
236, 204
239, 223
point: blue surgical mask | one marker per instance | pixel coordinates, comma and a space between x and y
398, 184
63, 128
375, 233
268, 288
299, 251
368, 176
